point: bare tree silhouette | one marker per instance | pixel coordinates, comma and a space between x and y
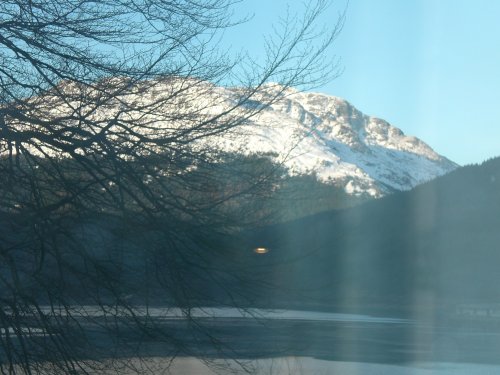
113, 197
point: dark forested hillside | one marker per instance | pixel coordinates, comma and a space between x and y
437, 245
434, 246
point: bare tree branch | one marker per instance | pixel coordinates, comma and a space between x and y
115, 198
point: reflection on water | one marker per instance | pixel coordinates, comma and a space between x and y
285, 366
250, 334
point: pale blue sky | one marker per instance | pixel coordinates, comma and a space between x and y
429, 67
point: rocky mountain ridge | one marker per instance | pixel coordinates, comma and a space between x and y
307, 133
324, 135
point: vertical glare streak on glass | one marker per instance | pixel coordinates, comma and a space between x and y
423, 213
427, 83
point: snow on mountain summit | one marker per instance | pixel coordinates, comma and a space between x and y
327, 136
308, 133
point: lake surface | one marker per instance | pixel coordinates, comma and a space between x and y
296, 366
291, 342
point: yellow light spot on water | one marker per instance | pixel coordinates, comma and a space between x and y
261, 250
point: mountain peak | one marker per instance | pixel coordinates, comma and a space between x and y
328, 136
308, 133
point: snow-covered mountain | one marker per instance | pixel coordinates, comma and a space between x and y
308, 133
327, 136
